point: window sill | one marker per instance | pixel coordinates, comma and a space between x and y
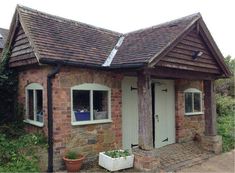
91, 122
35, 123
194, 113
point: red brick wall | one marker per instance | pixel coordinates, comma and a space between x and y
187, 126
86, 139
34, 75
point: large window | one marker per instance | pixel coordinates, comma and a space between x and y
91, 103
193, 101
34, 104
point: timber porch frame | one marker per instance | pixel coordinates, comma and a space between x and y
145, 101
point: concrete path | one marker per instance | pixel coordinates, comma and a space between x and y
220, 163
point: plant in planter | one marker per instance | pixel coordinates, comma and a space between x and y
82, 115
116, 160
73, 161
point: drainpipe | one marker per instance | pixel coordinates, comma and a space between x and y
50, 76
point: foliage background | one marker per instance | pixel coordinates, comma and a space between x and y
225, 104
9, 110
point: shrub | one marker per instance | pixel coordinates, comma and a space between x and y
13, 130
18, 153
225, 105
226, 86
226, 128
226, 120
8, 91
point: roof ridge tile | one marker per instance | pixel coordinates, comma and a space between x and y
65, 20
165, 24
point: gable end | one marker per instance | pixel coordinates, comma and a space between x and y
21, 51
181, 56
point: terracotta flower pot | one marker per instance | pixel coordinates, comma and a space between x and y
74, 165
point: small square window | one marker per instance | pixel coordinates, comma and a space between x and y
193, 102
100, 104
81, 105
90, 104
188, 102
197, 102
34, 104
30, 105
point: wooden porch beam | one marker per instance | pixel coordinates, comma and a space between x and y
145, 111
168, 73
210, 108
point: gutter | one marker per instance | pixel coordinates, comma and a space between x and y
94, 66
50, 76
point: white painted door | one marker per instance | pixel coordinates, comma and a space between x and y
164, 113
129, 112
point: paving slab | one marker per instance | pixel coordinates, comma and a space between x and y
221, 163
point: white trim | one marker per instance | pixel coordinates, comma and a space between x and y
193, 90
34, 87
91, 106
36, 123
34, 105
91, 87
194, 113
91, 122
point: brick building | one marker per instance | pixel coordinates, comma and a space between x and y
91, 89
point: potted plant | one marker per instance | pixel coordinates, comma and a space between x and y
73, 161
116, 160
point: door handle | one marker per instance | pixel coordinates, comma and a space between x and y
157, 117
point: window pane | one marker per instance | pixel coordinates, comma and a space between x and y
30, 105
100, 105
81, 105
188, 103
39, 110
197, 102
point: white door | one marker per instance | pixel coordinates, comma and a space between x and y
164, 113
129, 112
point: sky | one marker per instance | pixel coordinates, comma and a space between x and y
129, 15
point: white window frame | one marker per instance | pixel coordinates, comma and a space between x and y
91, 87
34, 87
193, 90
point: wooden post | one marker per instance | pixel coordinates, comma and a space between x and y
145, 111
210, 108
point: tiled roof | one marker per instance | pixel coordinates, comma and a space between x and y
56, 38
3, 37
142, 45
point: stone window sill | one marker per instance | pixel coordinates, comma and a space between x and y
91, 122
193, 113
35, 123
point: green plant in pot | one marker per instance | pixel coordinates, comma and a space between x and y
73, 161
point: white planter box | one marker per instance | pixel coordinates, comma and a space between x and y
115, 164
